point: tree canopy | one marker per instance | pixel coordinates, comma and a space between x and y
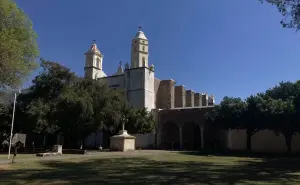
290, 10
276, 109
18, 45
59, 102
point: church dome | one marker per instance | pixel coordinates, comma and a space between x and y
140, 34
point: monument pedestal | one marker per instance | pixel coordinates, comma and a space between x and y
122, 142
57, 149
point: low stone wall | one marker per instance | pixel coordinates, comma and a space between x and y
262, 141
94, 139
144, 141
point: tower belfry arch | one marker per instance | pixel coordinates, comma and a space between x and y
93, 62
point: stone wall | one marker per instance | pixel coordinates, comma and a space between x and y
189, 98
144, 141
114, 82
179, 118
94, 139
165, 94
204, 99
156, 86
197, 99
262, 141
179, 96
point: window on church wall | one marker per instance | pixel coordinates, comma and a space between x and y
143, 48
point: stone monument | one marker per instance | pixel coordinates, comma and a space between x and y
122, 142
57, 149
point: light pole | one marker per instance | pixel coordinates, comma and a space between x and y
12, 124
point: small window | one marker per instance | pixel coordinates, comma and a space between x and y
143, 61
98, 63
143, 48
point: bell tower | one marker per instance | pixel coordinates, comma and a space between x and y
93, 63
139, 50
139, 78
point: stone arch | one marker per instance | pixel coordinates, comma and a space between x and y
170, 138
191, 136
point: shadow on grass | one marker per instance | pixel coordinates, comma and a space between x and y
146, 171
240, 154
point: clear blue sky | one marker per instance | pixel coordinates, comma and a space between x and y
233, 47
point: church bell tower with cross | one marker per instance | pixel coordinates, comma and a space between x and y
139, 78
139, 50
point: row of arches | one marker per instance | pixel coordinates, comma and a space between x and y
175, 136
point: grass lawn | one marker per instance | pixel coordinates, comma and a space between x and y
23, 156
153, 167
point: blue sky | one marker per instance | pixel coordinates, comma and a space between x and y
228, 48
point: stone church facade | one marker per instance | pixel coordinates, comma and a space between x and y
171, 104
138, 81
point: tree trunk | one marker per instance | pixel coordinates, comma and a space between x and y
288, 142
249, 135
44, 140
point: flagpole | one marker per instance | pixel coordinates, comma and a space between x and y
12, 125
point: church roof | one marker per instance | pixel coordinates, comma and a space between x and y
140, 35
101, 74
120, 69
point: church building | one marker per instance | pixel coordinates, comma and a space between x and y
138, 81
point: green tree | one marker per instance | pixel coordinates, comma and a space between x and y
37, 107
75, 113
254, 117
283, 105
234, 113
290, 10
229, 114
5, 121
284, 119
60, 102
112, 112
18, 45
140, 121
284, 90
